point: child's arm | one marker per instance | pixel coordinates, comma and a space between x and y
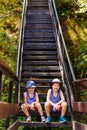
25, 99
62, 98
48, 97
37, 97
37, 100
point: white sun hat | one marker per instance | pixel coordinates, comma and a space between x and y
56, 80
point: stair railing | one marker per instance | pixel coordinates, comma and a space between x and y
79, 106
10, 107
66, 67
21, 42
64, 60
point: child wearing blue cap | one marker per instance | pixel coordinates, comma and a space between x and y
31, 101
55, 101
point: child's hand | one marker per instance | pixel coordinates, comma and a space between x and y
32, 106
55, 107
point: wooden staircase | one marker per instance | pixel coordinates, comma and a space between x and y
40, 56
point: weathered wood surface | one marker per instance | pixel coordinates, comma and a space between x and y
78, 126
82, 82
14, 126
80, 106
41, 124
5, 69
7, 110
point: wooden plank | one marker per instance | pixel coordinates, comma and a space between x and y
80, 106
82, 82
40, 74
14, 126
4, 68
7, 110
42, 68
40, 124
40, 63
79, 126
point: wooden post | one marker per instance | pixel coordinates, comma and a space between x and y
16, 100
10, 92
9, 101
0, 86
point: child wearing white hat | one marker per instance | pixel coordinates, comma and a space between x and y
55, 101
31, 101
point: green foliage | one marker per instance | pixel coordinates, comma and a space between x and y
10, 16
74, 26
82, 4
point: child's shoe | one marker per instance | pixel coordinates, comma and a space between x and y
48, 119
62, 119
43, 119
28, 119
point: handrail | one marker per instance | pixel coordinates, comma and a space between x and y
20, 48
78, 126
59, 30
5, 69
64, 60
8, 109
14, 126
67, 71
80, 106
82, 82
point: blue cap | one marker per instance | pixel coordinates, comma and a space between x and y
30, 84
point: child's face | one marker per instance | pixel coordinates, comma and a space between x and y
31, 90
56, 86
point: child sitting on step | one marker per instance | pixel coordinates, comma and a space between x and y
55, 101
31, 101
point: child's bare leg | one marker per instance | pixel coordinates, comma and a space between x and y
25, 108
64, 108
47, 108
38, 106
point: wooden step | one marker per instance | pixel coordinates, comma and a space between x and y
39, 17
39, 22
40, 124
41, 68
34, 34
37, 8
39, 81
41, 63
40, 58
37, 47
40, 74
38, 37
38, 31
38, 87
40, 53
44, 11
40, 25
39, 44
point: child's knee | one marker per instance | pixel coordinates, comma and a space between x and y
64, 104
37, 104
47, 104
23, 106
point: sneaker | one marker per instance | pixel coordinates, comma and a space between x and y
28, 119
62, 119
42, 119
48, 119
